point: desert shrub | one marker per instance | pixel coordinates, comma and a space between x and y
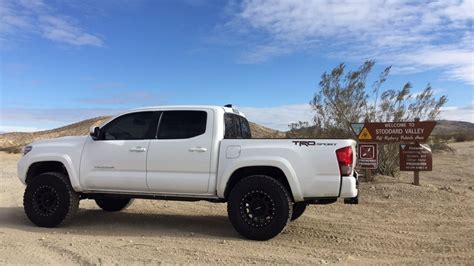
459, 136
12, 150
343, 99
445, 137
438, 143
463, 136
388, 159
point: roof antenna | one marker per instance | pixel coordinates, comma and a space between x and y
229, 105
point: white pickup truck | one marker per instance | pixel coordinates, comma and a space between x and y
187, 153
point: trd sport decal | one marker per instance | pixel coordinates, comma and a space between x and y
305, 143
311, 143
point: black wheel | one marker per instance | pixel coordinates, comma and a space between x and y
298, 210
259, 207
50, 200
113, 204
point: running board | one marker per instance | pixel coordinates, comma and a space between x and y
100, 194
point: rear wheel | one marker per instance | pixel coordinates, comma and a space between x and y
113, 204
298, 210
50, 200
259, 207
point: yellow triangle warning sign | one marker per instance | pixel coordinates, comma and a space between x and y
364, 134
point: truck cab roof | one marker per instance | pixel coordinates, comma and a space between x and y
190, 107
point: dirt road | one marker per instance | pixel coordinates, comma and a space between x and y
395, 222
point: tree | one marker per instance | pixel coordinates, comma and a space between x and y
342, 99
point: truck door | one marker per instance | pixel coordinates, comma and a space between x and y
117, 160
179, 158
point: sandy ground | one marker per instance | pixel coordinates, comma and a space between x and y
395, 223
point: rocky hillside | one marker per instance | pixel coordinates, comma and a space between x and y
260, 132
13, 142
449, 127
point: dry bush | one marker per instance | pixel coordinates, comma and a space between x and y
342, 99
13, 149
463, 136
438, 144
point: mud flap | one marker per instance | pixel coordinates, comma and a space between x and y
354, 200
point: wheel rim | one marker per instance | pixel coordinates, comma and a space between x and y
46, 200
257, 208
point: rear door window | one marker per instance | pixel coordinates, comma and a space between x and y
182, 124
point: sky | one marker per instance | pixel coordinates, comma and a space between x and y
62, 61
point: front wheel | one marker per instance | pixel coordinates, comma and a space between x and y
259, 207
50, 200
113, 204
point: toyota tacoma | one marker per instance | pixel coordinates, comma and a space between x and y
187, 153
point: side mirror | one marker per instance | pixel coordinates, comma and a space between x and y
94, 132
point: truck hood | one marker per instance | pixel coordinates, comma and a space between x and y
70, 141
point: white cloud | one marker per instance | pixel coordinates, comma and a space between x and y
26, 17
465, 113
34, 119
59, 29
127, 98
413, 36
278, 117
4, 129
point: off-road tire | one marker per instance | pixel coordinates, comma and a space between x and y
298, 210
49, 200
259, 207
113, 204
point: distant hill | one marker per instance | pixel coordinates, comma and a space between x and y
259, 131
13, 142
450, 127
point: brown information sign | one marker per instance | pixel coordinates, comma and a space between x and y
401, 132
415, 157
367, 157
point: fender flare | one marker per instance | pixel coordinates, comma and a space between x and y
277, 162
62, 158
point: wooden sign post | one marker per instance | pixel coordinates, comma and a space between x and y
416, 173
413, 156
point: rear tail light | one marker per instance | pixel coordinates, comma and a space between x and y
345, 159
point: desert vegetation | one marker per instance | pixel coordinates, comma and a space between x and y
343, 97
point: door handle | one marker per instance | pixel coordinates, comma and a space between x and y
138, 149
197, 149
